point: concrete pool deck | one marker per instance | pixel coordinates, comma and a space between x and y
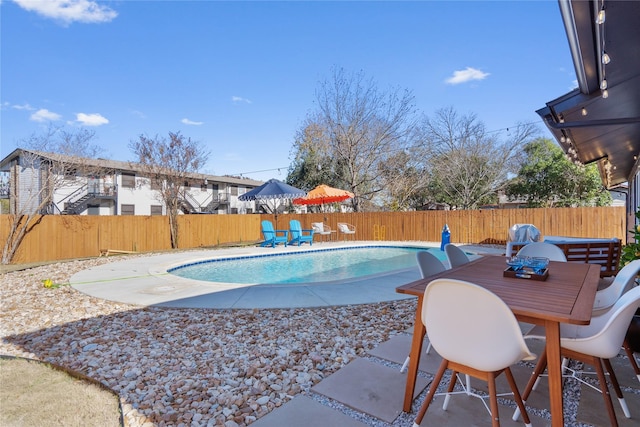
144, 281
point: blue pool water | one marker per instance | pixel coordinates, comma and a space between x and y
305, 267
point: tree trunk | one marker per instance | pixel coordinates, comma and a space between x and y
20, 226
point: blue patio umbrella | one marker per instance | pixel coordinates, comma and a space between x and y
273, 191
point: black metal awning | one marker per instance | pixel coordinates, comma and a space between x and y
589, 126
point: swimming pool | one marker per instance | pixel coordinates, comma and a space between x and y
316, 266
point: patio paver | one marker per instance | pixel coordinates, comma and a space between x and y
368, 387
303, 411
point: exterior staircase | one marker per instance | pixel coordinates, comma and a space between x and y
79, 201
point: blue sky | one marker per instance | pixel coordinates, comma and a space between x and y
240, 77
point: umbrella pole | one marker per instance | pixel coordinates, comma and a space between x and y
275, 212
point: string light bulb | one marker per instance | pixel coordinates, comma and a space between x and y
584, 111
603, 84
605, 58
605, 94
602, 16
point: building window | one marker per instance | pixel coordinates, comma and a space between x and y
234, 190
234, 210
214, 187
156, 184
249, 210
128, 180
127, 209
156, 210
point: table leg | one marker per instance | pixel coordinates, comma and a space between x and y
419, 331
554, 362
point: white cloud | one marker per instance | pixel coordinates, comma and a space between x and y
44, 115
238, 99
466, 75
68, 11
23, 107
94, 119
191, 122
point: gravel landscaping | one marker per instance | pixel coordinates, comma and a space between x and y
195, 367
198, 367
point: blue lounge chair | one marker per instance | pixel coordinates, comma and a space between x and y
273, 237
298, 235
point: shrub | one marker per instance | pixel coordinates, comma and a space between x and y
631, 251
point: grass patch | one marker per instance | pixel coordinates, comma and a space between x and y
36, 394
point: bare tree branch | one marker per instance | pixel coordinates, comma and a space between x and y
166, 162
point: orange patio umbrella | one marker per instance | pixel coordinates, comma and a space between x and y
323, 194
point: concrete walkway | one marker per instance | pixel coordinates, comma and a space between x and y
369, 392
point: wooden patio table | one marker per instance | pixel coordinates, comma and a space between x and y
566, 296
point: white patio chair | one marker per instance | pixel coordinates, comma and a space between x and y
631, 343
482, 348
623, 281
429, 264
593, 344
542, 249
455, 255
321, 229
607, 297
347, 229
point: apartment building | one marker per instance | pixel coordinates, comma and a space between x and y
67, 185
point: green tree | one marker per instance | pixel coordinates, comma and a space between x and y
311, 163
547, 178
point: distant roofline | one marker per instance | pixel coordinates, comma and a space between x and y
120, 165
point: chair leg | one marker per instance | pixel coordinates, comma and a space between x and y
597, 363
632, 358
540, 367
616, 388
406, 361
432, 392
405, 364
493, 400
517, 397
452, 384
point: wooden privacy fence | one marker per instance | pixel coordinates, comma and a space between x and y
58, 237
